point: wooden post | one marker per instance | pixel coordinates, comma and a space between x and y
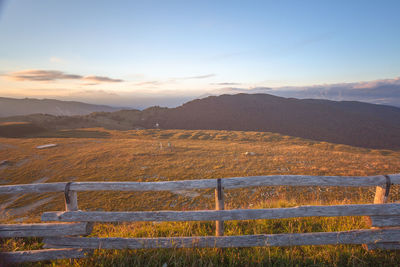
219, 205
381, 194
381, 197
71, 204
71, 199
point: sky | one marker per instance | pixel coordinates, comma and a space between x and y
142, 53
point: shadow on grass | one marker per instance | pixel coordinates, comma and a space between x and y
72, 134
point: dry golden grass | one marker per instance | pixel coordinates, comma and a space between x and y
160, 155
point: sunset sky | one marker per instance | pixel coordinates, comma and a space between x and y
140, 53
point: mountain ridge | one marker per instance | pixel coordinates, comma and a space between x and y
27, 106
344, 122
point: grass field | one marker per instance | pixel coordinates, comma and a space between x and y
162, 155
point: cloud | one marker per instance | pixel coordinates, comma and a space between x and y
53, 75
376, 83
101, 79
364, 89
382, 91
41, 75
196, 77
147, 83
225, 84
173, 80
88, 84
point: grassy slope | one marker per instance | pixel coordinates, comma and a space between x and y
102, 155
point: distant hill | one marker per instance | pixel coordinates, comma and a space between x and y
16, 107
344, 122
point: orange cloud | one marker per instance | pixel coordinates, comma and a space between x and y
53, 75
40, 75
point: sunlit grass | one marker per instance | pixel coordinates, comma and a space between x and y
161, 155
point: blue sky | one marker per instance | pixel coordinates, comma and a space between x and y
120, 50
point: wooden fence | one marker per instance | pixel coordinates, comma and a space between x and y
66, 238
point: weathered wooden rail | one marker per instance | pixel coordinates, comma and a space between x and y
65, 239
227, 183
225, 215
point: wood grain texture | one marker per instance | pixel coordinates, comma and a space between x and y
219, 205
32, 188
73, 201
383, 245
44, 229
41, 255
385, 221
381, 197
225, 215
227, 183
332, 238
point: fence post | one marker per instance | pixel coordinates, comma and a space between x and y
381, 197
219, 205
71, 204
382, 193
71, 198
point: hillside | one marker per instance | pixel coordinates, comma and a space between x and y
352, 123
144, 155
16, 107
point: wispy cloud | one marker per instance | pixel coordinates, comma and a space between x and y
382, 91
53, 75
101, 79
172, 80
226, 84
382, 82
149, 83
197, 77
41, 75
